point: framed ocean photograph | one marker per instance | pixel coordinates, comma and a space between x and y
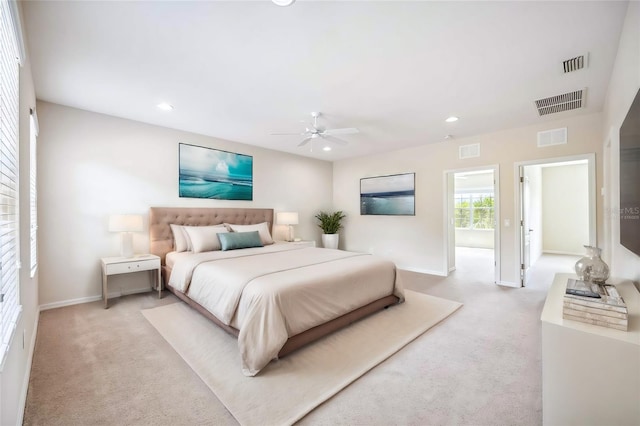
388, 195
214, 174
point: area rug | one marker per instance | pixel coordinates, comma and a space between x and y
289, 388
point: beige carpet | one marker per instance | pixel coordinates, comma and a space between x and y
289, 388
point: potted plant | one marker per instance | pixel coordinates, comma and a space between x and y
330, 223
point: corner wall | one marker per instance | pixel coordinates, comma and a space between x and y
418, 242
93, 165
624, 84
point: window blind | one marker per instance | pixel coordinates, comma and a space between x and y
33, 193
9, 103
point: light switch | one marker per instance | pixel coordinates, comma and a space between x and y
507, 223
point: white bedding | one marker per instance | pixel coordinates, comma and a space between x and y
274, 292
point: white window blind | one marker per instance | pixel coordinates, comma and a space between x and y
9, 102
33, 193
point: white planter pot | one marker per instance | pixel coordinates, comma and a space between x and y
330, 241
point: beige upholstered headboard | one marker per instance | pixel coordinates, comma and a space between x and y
161, 237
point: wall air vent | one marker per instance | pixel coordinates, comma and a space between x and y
552, 137
564, 102
575, 64
469, 151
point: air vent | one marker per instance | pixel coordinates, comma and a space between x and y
552, 137
469, 151
575, 64
564, 102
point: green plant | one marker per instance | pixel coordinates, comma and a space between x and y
330, 223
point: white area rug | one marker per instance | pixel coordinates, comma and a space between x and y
289, 388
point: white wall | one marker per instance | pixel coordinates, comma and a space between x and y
417, 242
92, 165
15, 371
565, 209
624, 84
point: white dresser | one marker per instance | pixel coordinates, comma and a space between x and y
590, 374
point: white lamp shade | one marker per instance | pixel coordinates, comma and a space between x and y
287, 218
125, 223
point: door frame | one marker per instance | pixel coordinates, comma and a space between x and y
449, 217
591, 170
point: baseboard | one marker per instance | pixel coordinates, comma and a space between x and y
27, 374
562, 252
69, 302
89, 299
423, 271
509, 284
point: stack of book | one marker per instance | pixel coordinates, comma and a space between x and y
595, 304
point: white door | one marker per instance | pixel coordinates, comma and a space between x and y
525, 232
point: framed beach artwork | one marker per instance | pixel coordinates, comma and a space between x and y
214, 174
388, 195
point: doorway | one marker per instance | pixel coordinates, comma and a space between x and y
471, 218
556, 214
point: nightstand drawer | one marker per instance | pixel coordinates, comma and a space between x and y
132, 266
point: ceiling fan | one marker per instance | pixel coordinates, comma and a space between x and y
316, 132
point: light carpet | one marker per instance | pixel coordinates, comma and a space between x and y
289, 388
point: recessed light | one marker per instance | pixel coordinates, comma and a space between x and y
451, 119
283, 2
165, 106
326, 148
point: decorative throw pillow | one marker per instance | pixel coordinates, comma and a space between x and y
180, 238
239, 240
262, 228
204, 238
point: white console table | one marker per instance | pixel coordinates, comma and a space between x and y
590, 374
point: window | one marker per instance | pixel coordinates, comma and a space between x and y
33, 192
9, 102
474, 211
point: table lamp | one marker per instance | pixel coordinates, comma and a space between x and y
288, 218
126, 224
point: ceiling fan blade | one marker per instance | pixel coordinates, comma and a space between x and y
304, 142
280, 134
335, 140
345, 131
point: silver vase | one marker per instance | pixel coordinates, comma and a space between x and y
591, 268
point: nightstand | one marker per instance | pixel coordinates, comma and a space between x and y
126, 265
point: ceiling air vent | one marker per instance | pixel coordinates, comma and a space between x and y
552, 137
469, 151
564, 102
575, 64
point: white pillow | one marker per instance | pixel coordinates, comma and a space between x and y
262, 228
180, 237
205, 238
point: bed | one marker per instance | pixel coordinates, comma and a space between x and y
275, 297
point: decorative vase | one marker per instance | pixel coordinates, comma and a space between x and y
591, 268
330, 241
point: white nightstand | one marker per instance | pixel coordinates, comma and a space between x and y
126, 265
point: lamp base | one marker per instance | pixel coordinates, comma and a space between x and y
126, 249
290, 238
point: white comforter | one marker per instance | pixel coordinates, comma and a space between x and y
274, 292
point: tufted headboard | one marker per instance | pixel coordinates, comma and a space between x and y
161, 237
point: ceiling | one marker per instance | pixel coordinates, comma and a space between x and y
241, 70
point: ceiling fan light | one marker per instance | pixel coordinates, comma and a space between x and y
165, 106
283, 3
